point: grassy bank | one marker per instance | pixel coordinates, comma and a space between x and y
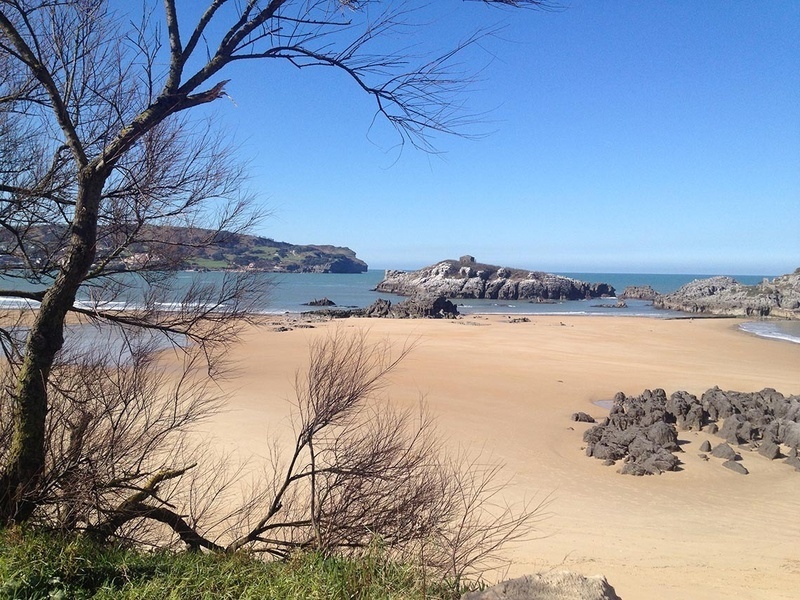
53, 567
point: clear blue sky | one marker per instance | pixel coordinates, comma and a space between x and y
623, 136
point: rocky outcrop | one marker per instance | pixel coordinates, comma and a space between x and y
582, 417
642, 430
320, 302
466, 278
637, 433
638, 292
425, 306
421, 306
779, 297
563, 585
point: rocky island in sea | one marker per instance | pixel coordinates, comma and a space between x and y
466, 278
724, 296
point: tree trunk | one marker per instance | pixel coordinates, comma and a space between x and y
26, 461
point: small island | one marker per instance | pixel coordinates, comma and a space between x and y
466, 278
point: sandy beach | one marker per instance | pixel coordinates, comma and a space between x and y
510, 388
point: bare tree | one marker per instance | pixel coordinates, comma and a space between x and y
120, 465
362, 470
97, 151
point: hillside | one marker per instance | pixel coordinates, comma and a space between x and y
266, 254
167, 248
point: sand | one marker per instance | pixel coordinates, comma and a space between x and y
510, 388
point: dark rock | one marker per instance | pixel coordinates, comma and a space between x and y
716, 404
550, 586
677, 407
703, 456
769, 449
425, 306
582, 417
334, 313
640, 428
419, 307
636, 432
320, 302
790, 434
793, 461
664, 435
609, 463
724, 451
735, 467
379, 309
731, 428
695, 419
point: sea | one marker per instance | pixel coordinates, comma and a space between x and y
291, 293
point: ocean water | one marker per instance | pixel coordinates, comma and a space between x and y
787, 331
289, 293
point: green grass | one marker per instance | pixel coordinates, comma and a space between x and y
38, 566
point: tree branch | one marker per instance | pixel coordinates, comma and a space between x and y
44, 77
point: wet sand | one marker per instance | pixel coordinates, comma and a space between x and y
703, 533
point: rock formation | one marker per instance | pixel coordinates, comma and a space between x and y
320, 302
779, 297
421, 306
637, 433
638, 292
465, 278
642, 430
563, 585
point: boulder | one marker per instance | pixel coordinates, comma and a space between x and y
379, 309
769, 449
724, 451
320, 302
732, 427
793, 461
563, 585
790, 434
705, 446
425, 306
582, 417
735, 467
664, 435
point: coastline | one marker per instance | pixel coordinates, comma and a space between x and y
510, 387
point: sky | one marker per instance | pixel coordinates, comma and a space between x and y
618, 136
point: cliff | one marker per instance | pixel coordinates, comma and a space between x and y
466, 278
779, 297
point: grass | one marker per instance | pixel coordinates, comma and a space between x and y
46, 566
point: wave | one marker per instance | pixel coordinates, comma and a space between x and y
788, 331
